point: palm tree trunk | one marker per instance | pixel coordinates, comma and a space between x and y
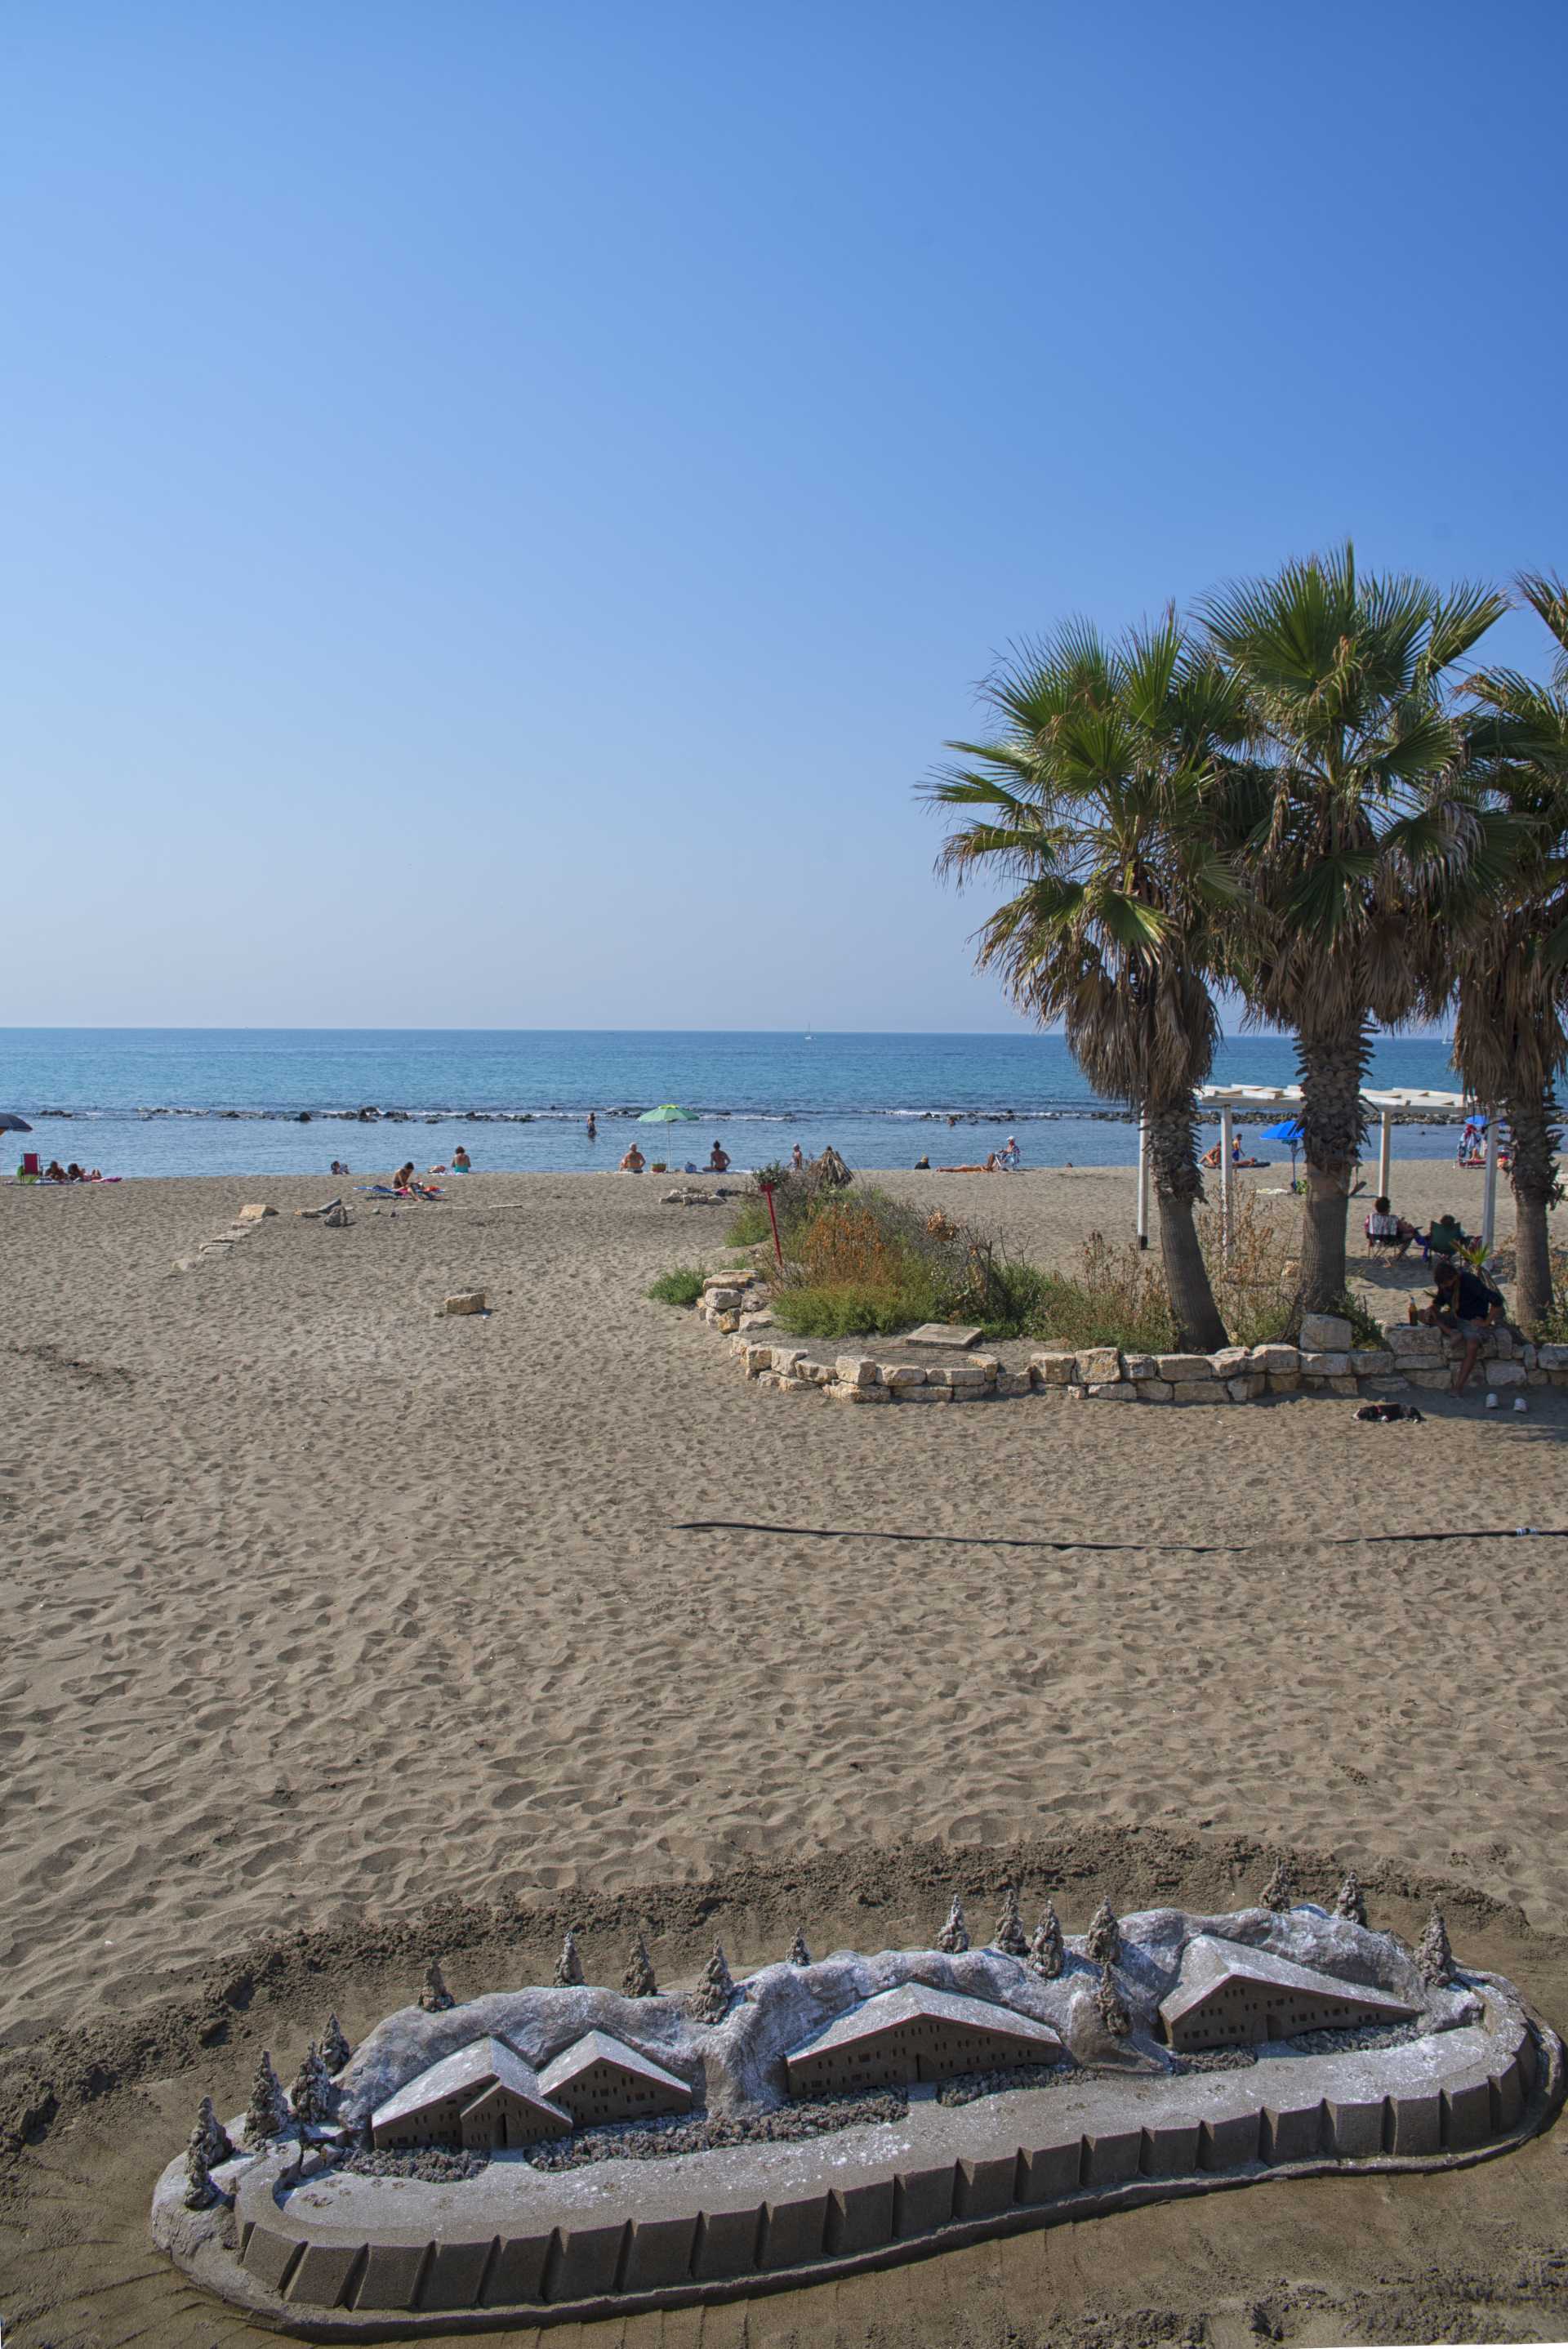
1177, 1185
1332, 1071
1533, 1174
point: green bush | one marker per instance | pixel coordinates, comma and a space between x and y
1117, 1297
748, 1225
845, 1310
681, 1287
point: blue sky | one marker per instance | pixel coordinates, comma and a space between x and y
502, 502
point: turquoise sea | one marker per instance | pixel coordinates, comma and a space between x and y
206, 1101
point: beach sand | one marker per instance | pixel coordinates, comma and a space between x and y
339, 1636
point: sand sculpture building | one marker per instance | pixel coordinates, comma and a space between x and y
1228, 1996
600, 2078
484, 2097
915, 2033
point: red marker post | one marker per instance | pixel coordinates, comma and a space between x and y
766, 1191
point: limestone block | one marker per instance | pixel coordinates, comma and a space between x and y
1116, 1390
1344, 1386
786, 1357
1206, 1391
1537, 1378
857, 1370
1392, 1386
1528, 1353
253, 1215
465, 1300
1371, 1362
899, 1375
1277, 1361
795, 2231
660, 2252
1054, 1370
1325, 1366
454, 2275
1247, 1388
1112, 2155
923, 2199
1285, 1382
1139, 1366
725, 1322
756, 1359
840, 1391
1552, 1357
1432, 1382
1018, 1382
1324, 1333
1180, 1366
722, 1300
1505, 1374
960, 1376
923, 1394
1100, 1366
820, 1374
989, 1364
1413, 1343
1170, 2151
1229, 1362
1154, 1389
746, 1279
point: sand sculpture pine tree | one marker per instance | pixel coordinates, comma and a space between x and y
954, 1935
1280, 1890
214, 2137
638, 1981
314, 2097
1047, 1955
568, 1965
710, 2000
1110, 2006
267, 2115
336, 2050
436, 1998
1103, 1939
1348, 1901
799, 1955
1434, 1959
1009, 1936
200, 2192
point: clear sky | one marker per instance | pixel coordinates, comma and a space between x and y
502, 502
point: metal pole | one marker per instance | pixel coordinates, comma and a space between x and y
1143, 1180
1489, 1203
1227, 1172
1385, 1154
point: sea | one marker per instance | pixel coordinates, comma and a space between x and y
253, 1100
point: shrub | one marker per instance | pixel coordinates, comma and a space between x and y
1552, 1326
845, 1310
1255, 1279
681, 1287
1117, 1297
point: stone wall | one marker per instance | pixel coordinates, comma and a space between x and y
1326, 1362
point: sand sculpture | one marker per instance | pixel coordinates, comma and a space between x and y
571, 2151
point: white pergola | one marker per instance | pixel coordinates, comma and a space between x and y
1383, 1102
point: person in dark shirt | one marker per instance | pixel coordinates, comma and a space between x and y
1467, 1306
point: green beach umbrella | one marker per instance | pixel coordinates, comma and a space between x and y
667, 1114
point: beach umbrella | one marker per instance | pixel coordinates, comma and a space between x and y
667, 1114
11, 1124
1287, 1130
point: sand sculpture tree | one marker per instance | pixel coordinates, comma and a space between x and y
313, 2095
1434, 1959
638, 1981
267, 2115
954, 1936
200, 2192
1048, 1951
569, 1965
210, 2135
1102, 1942
711, 1999
1110, 2006
1280, 1890
1350, 1901
799, 1955
336, 2050
436, 1998
1009, 1936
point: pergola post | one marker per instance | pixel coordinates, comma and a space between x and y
1227, 1173
1385, 1154
1143, 1179
1489, 1196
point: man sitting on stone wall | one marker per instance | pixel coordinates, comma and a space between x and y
1466, 1305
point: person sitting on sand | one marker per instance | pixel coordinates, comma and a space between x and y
461, 1163
922, 1165
718, 1159
1385, 1229
339, 1166
1466, 1305
404, 1178
55, 1172
632, 1163
1011, 1156
74, 1172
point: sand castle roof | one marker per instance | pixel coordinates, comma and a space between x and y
1207, 1961
918, 2002
470, 2070
601, 2047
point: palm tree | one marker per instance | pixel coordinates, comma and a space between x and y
1103, 801
1510, 1039
1370, 837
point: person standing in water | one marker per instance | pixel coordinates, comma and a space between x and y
593, 1127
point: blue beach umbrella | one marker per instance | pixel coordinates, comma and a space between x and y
1287, 1130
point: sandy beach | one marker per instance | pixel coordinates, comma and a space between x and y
339, 1636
